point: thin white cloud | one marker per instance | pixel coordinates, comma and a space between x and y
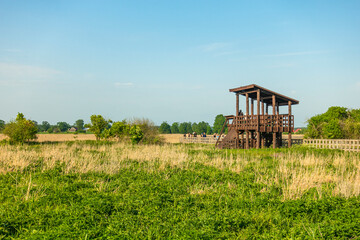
214, 46
294, 54
121, 84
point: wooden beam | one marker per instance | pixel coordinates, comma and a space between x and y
237, 104
267, 109
247, 104
290, 123
273, 104
252, 106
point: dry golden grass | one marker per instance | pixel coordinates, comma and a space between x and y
294, 173
59, 137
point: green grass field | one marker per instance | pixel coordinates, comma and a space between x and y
105, 190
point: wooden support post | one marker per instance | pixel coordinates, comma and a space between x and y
273, 104
274, 112
247, 140
247, 104
258, 120
290, 123
274, 139
267, 109
262, 108
277, 109
252, 106
237, 104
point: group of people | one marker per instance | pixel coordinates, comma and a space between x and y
194, 134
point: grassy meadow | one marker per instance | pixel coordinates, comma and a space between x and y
111, 190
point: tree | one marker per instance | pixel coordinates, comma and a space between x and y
21, 130
175, 127
165, 128
219, 123
2, 125
119, 130
79, 124
209, 130
185, 127
63, 126
98, 125
136, 134
44, 126
332, 130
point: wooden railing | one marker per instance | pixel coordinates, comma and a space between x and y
263, 123
207, 140
343, 144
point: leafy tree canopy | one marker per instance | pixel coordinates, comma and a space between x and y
165, 128
335, 123
98, 125
219, 123
79, 124
21, 130
175, 127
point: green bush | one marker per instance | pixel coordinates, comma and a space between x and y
335, 123
21, 130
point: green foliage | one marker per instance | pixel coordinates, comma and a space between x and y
79, 124
21, 130
136, 134
98, 125
201, 202
119, 130
175, 127
185, 127
63, 126
209, 130
149, 130
2, 125
165, 128
332, 130
44, 127
335, 123
219, 123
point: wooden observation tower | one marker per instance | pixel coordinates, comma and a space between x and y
263, 129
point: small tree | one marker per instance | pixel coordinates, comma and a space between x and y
2, 125
63, 126
79, 124
219, 123
21, 130
165, 128
119, 130
175, 127
136, 134
98, 125
45, 126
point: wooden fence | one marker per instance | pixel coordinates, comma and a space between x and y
343, 144
208, 140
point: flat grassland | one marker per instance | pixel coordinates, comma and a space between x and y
89, 189
58, 137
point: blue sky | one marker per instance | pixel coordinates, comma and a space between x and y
174, 60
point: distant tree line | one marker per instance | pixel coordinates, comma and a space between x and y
188, 127
335, 123
22, 130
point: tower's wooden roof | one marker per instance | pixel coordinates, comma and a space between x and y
265, 94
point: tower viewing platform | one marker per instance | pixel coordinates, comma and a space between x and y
260, 129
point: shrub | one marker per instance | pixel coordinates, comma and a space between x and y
151, 133
21, 130
98, 125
